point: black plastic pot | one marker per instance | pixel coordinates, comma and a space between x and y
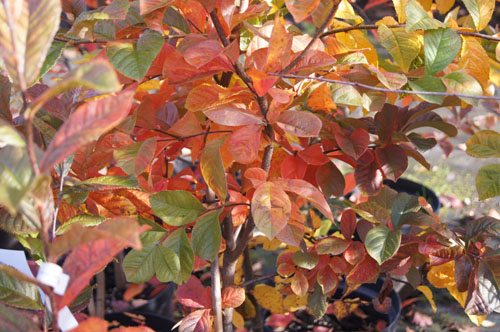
156, 322
368, 292
417, 189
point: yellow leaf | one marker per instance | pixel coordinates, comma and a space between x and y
497, 51
294, 302
269, 298
212, 167
238, 320
475, 61
401, 45
346, 12
443, 6
442, 276
148, 86
428, 294
480, 12
355, 40
400, 6
426, 4
316, 220
387, 20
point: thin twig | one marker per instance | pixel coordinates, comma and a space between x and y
190, 136
369, 87
258, 279
312, 41
75, 42
375, 27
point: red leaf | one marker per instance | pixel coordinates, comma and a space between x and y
299, 123
330, 180
348, 223
308, 192
300, 10
367, 174
261, 81
293, 168
202, 53
256, 176
244, 144
313, 155
355, 253
193, 294
233, 297
364, 272
299, 284
293, 232
328, 279
232, 115
393, 161
197, 321
355, 144
86, 124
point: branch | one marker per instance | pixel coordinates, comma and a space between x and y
258, 279
216, 294
178, 138
369, 87
375, 27
317, 34
75, 42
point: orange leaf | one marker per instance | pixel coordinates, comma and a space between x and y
278, 52
271, 208
93, 324
293, 168
299, 285
233, 297
197, 321
300, 10
87, 123
132, 291
475, 61
256, 176
355, 253
202, 53
244, 144
364, 272
212, 167
147, 6
313, 155
299, 123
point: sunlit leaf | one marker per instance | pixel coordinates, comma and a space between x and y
480, 11
206, 236
135, 159
244, 143
300, 10
176, 207
179, 243
299, 123
330, 180
53, 55
381, 243
192, 294
401, 45
418, 19
441, 46
271, 208
484, 144
306, 260
475, 61
233, 297
212, 167
19, 294
431, 84
488, 181
15, 176
459, 82
269, 298
317, 301
27, 28
147, 6
167, 264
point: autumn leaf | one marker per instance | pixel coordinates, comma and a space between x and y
301, 124
269, 298
212, 167
192, 294
233, 297
244, 144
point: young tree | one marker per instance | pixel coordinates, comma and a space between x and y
193, 131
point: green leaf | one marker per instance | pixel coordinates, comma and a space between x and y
134, 59
53, 55
418, 19
488, 181
179, 243
139, 265
176, 207
345, 95
118, 9
26, 221
212, 167
85, 23
15, 176
381, 243
13, 320
402, 204
441, 46
480, 11
20, 294
207, 236
105, 182
10, 136
401, 45
460, 82
135, 159
167, 264
316, 301
154, 226
430, 84
484, 144
26, 32
173, 18
86, 220
306, 260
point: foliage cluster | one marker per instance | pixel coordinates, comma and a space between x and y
195, 130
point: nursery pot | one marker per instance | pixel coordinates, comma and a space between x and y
368, 292
417, 189
155, 322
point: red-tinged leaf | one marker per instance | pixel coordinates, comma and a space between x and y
313, 59
293, 233
382, 307
92, 324
133, 329
192, 294
293, 168
256, 176
331, 246
122, 229
197, 321
205, 96
366, 271
280, 44
147, 6
313, 155
233, 297
271, 208
367, 174
212, 167
299, 123
154, 19
309, 192
239, 213
87, 123
85, 261
348, 223
354, 145
386, 121
393, 161
244, 144
261, 81
299, 284
280, 320
330, 180
355, 253
202, 53
328, 279
187, 125
232, 115
338, 264
300, 10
